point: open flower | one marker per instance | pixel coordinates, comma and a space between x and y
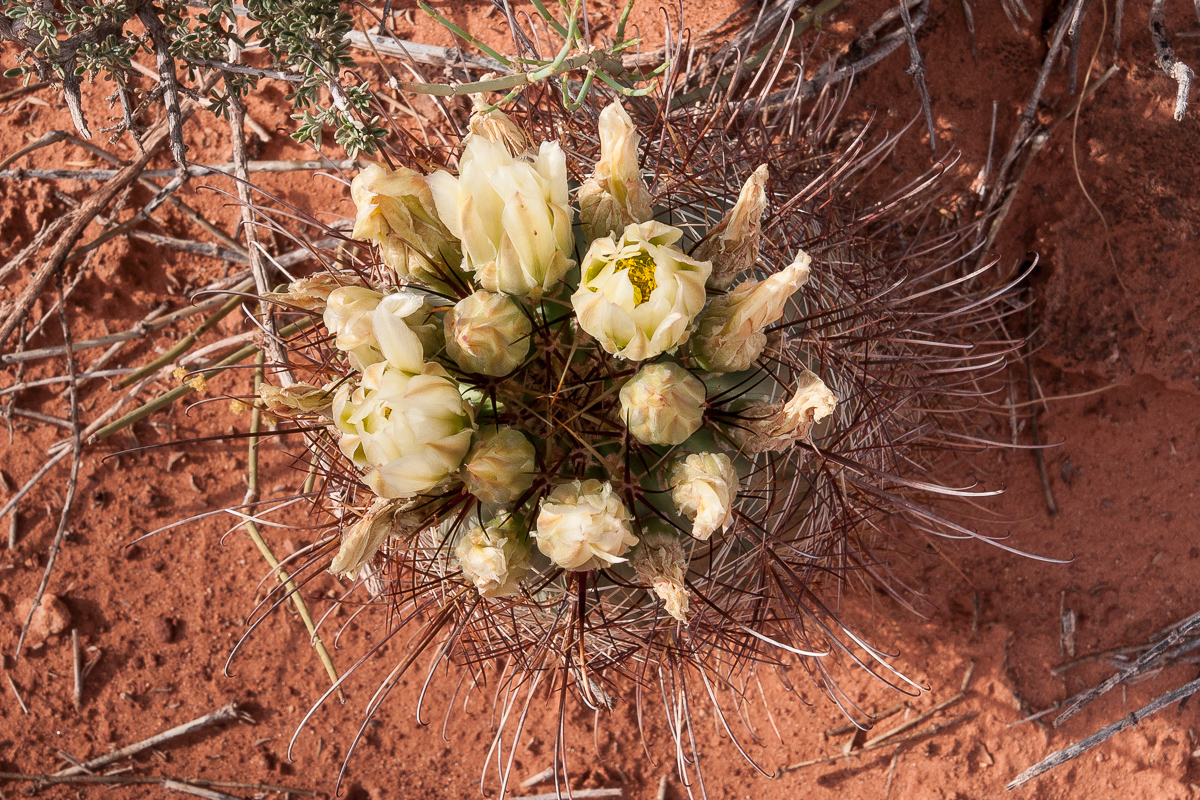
487, 333
582, 525
495, 557
704, 487
512, 216
363, 320
615, 195
410, 431
396, 211
500, 467
662, 404
730, 335
732, 245
660, 562
639, 293
777, 426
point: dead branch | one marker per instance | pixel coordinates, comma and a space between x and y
136, 780
193, 170
1165, 56
169, 80
916, 68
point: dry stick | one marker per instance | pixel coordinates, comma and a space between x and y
168, 79
931, 730
33, 87
12, 685
850, 726
77, 663
252, 497
12, 501
662, 787
193, 170
1165, 56
39, 240
80, 219
917, 720
72, 480
1051, 505
137, 780
916, 68
197, 791
887, 790
1128, 721
583, 794
223, 714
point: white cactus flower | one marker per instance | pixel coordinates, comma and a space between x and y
639, 293
660, 562
730, 334
487, 333
615, 195
410, 431
704, 487
363, 320
662, 404
512, 215
732, 245
396, 211
500, 467
583, 525
494, 557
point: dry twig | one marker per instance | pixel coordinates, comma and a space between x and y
1164, 54
139, 780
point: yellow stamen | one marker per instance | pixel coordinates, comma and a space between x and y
641, 275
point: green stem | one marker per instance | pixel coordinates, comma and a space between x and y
506, 82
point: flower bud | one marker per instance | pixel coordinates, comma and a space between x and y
730, 335
312, 293
495, 557
296, 400
733, 244
500, 467
583, 526
384, 519
704, 487
396, 211
371, 327
487, 333
615, 195
410, 431
495, 126
777, 426
639, 293
662, 404
512, 215
660, 562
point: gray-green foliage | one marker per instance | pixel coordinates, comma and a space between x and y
72, 40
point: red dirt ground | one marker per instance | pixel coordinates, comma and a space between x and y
163, 617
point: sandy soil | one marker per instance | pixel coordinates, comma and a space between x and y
162, 617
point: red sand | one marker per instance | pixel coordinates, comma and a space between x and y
165, 617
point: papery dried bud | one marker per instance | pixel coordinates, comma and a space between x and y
410, 431
777, 426
312, 293
384, 519
639, 293
663, 404
704, 487
583, 525
615, 195
396, 211
660, 562
487, 333
500, 467
494, 557
371, 327
730, 337
733, 244
495, 126
512, 215
296, 400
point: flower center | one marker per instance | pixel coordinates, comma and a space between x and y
641, 275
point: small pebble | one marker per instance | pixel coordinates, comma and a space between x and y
51, 618
162, 630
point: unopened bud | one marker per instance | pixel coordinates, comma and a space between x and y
494, 557
615, 195
703, 488
500, 467
583, 525
487, 333
663, 404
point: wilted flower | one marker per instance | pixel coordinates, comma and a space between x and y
409, 430
494, 557
500, 467
704, 487
362, 319
732, 245
615, 195
487, 333
312, 293
583, 525
299, 398
383, 520
660, 562
396, 211
512, 216
730, 335
639, 293
777, 426
495, 126
663, 404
